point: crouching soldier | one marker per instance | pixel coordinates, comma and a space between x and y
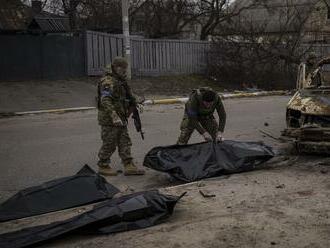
199, 115
114, 101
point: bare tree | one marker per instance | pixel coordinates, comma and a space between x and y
68, 7
212, 13
102, 15
261, 52
159, 18
162, 18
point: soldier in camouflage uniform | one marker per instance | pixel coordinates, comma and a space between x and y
114, 101
199, 115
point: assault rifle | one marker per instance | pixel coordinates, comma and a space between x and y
98, 96
134, 110
137, 120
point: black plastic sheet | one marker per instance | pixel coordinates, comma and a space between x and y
135, 211
203, 160
83, 188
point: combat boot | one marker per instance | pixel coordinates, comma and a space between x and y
131, 169
106, 170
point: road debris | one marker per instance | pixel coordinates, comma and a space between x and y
201, 184
305, 193
325, 163
281, 186
206, 194
269, 135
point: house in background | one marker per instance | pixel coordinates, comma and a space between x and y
273, 18
145, 23
35, 44
16, 17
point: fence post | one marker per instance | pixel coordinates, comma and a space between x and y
127, 49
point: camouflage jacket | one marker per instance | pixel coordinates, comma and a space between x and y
115, 98
195, 110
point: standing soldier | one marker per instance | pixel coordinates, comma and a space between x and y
199, 115
114, 100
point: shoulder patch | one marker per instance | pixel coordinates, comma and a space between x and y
106, 92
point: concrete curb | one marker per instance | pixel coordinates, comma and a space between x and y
46, 111
147, 102
224, 96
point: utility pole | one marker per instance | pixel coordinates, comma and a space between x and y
127, 45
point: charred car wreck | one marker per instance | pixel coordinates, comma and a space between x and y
308, 111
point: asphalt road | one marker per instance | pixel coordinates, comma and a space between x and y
35, 149
286, 204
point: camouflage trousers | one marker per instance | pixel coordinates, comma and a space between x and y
113, 137
187, 128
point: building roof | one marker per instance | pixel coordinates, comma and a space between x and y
50, 23
273, 16
15, 16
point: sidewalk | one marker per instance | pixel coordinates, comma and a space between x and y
19, 98
59, 94
37, 95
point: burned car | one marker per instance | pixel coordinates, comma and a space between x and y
308, 111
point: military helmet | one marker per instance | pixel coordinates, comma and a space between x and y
208, 96
119, 61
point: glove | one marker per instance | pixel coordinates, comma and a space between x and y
219, 137
207, 136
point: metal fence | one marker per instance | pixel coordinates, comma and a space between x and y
26, 57
101, 48
165, 57
150, 57
155, 57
